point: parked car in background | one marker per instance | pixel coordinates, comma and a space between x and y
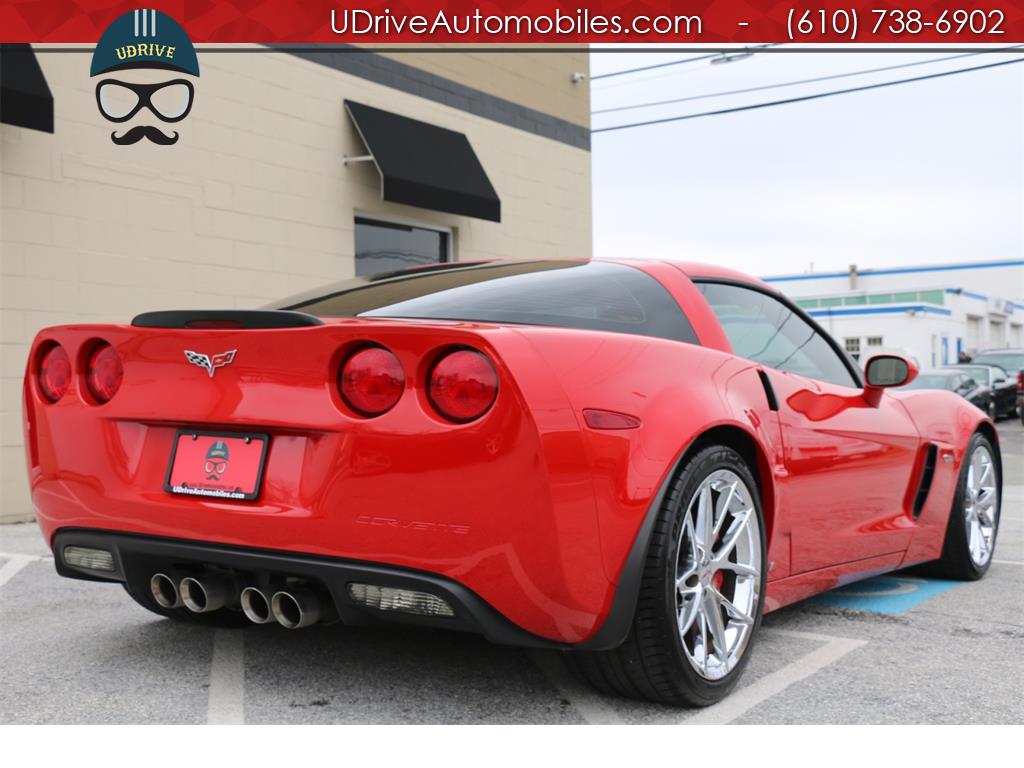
1002, 387
1011, 360
956, 381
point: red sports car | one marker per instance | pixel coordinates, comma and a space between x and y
629, 461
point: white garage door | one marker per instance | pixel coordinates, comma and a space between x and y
973, 340
996, 333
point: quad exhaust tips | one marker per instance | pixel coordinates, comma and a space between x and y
296, 608
293, 608
256, 606
206, 593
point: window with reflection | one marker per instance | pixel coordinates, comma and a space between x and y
763, 329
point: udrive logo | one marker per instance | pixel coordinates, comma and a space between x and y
155, 68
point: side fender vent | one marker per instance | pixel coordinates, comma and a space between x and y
769, 390
927, 473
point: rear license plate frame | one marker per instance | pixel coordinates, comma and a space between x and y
213, 495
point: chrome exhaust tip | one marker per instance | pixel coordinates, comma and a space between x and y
205, 594
164, 591
296, 608
256, 606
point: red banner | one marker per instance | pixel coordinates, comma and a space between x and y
998, 22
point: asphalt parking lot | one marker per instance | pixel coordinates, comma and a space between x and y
898, 649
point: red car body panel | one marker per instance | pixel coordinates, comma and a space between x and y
528, 507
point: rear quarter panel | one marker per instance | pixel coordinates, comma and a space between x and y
678, 391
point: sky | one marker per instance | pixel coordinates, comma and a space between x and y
928, 172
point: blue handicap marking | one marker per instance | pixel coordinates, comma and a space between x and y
884, 594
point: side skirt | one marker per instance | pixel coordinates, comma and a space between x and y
792, 589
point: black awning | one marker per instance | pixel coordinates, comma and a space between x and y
425, 165
25, 98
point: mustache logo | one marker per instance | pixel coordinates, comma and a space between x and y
213, 477
140, 132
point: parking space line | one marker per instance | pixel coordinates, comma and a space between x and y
743, 700
227, 679
14, 564
1008, 562
590, 705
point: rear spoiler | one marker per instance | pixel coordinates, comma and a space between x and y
225, 319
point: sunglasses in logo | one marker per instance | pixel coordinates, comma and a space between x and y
217, 467
120, 101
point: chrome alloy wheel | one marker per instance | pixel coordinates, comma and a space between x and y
718, 574
981, 505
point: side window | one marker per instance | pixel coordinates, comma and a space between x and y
763, 329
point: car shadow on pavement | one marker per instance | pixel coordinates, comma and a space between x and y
392, 674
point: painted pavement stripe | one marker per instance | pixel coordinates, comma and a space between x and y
227, 679
742, 700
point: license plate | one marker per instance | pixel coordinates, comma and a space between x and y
216, 464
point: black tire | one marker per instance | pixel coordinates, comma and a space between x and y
651, 664
225, 618
956, 561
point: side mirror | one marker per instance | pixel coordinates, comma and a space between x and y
886, 371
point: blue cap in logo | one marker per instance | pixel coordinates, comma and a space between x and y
218, 451
144, 38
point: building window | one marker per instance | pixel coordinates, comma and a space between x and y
852, 345
874, 341
383, 246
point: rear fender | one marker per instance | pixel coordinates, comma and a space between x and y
633, 469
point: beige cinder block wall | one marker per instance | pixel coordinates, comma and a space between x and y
254, 203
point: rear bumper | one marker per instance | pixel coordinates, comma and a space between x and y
137, 558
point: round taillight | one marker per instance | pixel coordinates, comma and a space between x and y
371, 381
54, 373
462, 385
104, 373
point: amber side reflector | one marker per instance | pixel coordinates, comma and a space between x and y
598, 419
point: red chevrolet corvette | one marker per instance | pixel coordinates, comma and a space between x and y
630, 461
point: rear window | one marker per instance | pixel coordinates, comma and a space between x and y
594, 296
1010, 361
977, 373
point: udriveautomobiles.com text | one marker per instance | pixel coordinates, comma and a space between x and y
582, 22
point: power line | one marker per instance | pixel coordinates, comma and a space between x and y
663, 64
809, 97
653, 66
609, 86
753, 89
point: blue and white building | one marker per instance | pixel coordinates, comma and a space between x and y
932, 312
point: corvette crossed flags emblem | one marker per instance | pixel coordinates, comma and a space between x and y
210, 364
